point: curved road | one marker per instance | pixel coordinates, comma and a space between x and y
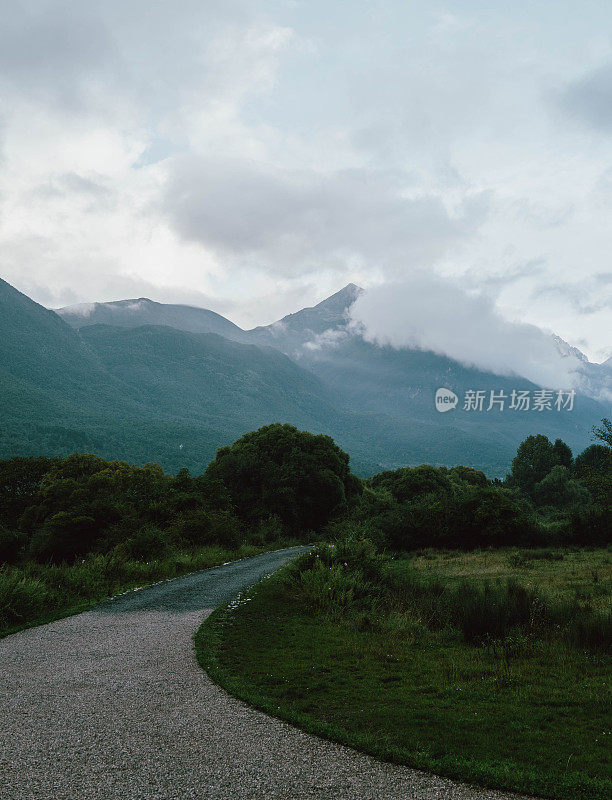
112, 705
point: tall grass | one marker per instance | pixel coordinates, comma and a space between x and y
33, 592
351, 580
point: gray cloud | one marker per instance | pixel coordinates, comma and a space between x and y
50, 52
587, 296
108, 287
431, 314
291, 220
456, 163
494, 283
589, 98
71, 183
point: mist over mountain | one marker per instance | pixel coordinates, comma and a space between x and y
142, 311
291, 333
427, 316
146, 381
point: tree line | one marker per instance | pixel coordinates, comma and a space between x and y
279, 483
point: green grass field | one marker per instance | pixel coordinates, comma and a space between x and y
527, 711
584, 575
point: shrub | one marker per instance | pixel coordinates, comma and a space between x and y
225, 529
474, 477
194, 527
591, 632
63, 537
492, 611
535, 458
21, 597
409, 483
268, 530
339, 577
559, 489
11, 543
278, 470
147, 545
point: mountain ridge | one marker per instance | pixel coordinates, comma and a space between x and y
150, 392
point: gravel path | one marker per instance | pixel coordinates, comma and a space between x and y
111, 705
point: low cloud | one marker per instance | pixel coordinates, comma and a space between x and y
50, 54
328, 340
588, 296
431, 314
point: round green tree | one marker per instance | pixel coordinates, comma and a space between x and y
279, 470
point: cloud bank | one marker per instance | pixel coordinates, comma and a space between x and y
253, 157
294, 221
430, 314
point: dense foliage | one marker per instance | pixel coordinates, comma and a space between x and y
549, 498
280, 471
278, 482
80, 526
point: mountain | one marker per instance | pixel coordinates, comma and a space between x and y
142, 311
287, 335
567, 350
292, 332
158, 392
596, 379
46, 365
149, 393
206, 378
402, 383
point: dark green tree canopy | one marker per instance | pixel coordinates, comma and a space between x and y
597, 458
279, 470
535, 458
559, 489
604, 432
408, 483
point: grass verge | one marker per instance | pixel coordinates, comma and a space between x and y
519, 713
35, 594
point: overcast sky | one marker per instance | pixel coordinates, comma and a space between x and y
254, 157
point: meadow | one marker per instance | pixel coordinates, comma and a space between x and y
490, 666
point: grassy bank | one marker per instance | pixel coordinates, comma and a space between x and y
33, 593
490, 667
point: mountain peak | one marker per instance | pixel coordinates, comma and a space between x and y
565, 349
342, 299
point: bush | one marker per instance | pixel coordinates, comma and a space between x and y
338, 577
11, 543
494, 612
535, 458
268, 530
472, 516
21, 597
63, 537
148, 544
193, 526
559, 489
474, 477
410, 483
278, 470
591, 524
